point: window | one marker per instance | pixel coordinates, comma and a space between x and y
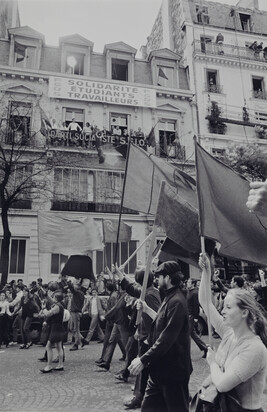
202, 14
57, 262
119, 124
165, 76
213, 81
258, 88
261, 117
205, 43
119, 69
19, 122
106, 257
75, 63
20, 179
17, 254
24, 56
217, 152
167, 136
245, 21
80, 185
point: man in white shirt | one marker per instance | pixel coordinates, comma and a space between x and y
96, 313
74, 131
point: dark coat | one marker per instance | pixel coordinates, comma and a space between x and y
193, 303
168, 358
152, 298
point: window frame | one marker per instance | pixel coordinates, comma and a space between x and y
248, 22
12, 240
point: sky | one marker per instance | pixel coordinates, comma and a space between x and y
100, 21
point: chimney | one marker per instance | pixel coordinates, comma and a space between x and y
256, 4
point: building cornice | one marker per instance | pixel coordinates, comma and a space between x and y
226, 61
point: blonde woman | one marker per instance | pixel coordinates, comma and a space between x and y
240, 363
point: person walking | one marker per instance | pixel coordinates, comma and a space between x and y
54, 318
239, 365
112, 300
29, 307
77, 301
168, 357
96, 313
152, 298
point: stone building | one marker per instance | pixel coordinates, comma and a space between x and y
42, 89
224, 50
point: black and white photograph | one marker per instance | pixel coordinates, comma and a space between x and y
133, 204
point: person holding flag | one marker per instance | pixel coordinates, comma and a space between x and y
238, 369
168, 357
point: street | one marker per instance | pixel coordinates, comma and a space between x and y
82, 386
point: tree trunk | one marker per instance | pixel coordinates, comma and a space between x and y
5, 246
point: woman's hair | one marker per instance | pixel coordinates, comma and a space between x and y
257, 317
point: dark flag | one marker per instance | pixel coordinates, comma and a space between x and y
122, 149
98, 145
143, 179
20, 50
45, 123
162, 74
178, 218
223, 213
151, 141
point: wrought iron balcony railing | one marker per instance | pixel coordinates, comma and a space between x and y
229, 50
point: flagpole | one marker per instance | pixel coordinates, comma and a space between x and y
136, 250
203, 250
149, 260
122, 198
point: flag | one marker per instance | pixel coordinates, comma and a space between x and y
45, 122
68, 234
110, 230
224, 216
144, 175
122, 149
98, 144
151, 141
178, 218
170, 250
162, 74
79, 266
20, 50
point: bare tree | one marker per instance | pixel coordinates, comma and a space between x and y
24, 170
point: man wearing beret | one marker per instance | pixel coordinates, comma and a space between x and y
168, 357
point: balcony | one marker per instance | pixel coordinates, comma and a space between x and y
89, 207
259, 94
213, 88
229, 50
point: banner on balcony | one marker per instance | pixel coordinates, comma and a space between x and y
101, 92
68, 234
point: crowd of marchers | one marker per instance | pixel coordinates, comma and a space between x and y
155, 345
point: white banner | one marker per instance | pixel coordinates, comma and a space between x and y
97, 91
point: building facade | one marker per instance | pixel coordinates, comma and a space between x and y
112, 97
224, 50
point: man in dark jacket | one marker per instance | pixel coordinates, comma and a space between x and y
168, 358
152, 299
